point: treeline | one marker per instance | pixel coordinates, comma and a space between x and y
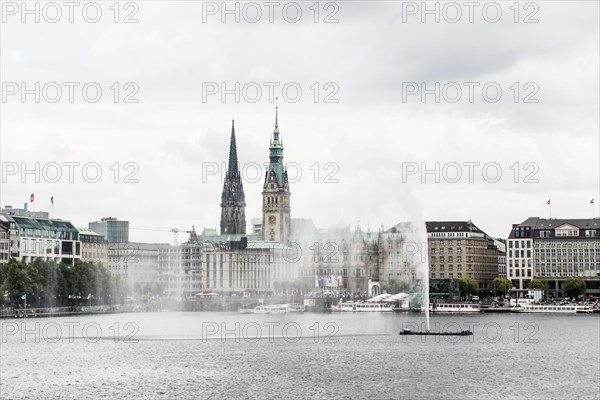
49, 284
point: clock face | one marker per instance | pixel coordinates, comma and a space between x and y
272, 220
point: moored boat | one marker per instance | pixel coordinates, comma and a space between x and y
431, 333
296, 307
351, 306
544, 308
454, 308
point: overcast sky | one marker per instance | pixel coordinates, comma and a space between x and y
373, 58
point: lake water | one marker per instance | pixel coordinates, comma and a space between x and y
299, 356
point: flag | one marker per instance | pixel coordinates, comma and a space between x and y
25, 206
31, 197
23, 297
592, 201
548, 202
52, 200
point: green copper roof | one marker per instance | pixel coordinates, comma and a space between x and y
276, 155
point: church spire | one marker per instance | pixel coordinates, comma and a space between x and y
232, 167
233, 202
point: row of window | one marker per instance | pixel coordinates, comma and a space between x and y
442, 275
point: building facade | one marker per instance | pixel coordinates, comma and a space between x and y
94, 248
224, 268
233, 201
136, 263
555, 249
113, 230
4, 242
50, 239
459, 249
276, 193
501, 246
400, 253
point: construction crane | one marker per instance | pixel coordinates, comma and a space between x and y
174, 231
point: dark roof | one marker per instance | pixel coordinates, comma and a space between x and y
533, 225
42, 224
452, 226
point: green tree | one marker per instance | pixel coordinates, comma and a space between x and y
16, 280
538, 283
501, 286
468, 286
392, 286
574, 287
44, 275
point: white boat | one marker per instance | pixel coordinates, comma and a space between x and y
454, 308
260, 310
278, 308
271, 309
296, 307
350, 306
544, 308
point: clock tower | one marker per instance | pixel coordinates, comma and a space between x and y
276, 193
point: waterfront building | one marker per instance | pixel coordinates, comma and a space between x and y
555, 249
50, 239
94, 247
136, 263
224, 268
459, 249
113, 230
352, 256
233, 202
397, 248
501, 246
4, 242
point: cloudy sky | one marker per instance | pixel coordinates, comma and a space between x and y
358, 135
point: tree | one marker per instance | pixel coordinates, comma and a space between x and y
468, 286
16, 280
392, 287
574, 287
501, 286
538, 283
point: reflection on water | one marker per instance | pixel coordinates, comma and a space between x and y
297, 356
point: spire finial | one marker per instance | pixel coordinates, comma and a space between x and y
276, 110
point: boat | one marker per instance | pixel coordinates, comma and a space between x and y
429, 333
454, 308
351, 306
296, 307
271, 309
260, 310
544, 308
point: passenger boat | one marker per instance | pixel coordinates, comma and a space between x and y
454, 308
296, 307
541, 308
271, 309
431, 333
350, 306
